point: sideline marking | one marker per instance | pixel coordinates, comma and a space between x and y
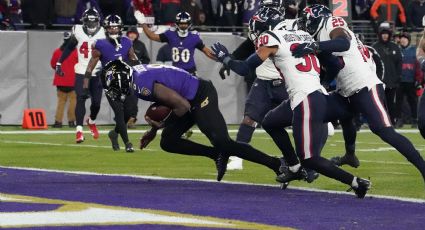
413, 200
160, 131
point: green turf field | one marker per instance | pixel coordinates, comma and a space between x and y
390, 173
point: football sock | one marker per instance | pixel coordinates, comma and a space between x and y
79, 128
404, 146
283, 142
94, 110
245, 133
354, 184
350, 133
327, 168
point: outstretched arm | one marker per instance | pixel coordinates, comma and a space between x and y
140, 17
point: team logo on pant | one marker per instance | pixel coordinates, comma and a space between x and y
205, 103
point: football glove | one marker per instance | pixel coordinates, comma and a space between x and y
58, 69
140, 17
220, 51
147, 138
305, 48
85, 94
224, 68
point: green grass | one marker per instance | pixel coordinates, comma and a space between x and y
390, 172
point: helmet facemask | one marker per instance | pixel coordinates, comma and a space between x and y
183, 24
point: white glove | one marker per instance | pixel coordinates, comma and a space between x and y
140, 17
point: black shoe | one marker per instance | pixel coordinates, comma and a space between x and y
311, 175
221, 165
289, 176
113, 136
57, 124
71, 124
129, 147
347, 159
361, 190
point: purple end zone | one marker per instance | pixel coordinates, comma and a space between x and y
260, 204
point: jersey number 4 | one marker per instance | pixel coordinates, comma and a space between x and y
84, 49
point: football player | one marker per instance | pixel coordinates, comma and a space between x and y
113, 47
357, 82
83, 37
181, 39
307, 97
193, 101
420, 55
267, 91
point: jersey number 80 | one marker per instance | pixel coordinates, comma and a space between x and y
184, 55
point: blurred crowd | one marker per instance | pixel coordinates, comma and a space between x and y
402, 13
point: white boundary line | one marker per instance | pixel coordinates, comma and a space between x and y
194, 130
413, 200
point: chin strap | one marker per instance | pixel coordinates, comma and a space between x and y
118, 45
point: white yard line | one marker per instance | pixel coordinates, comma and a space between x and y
58, 144
211, 181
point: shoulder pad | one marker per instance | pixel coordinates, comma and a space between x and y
194, 32
268, 38
173, 28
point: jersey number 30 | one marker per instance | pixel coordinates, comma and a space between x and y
310, 62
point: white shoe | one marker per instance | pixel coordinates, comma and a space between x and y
235, 163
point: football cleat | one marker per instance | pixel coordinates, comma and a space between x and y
289, 176
362, 188
79, 137
129, 147
347, 159
311, 175
113, 136
93, 129
235, 163
221, 165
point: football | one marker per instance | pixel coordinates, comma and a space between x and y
158, 112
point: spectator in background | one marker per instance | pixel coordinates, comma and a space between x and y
164, 55
65, 84
65, 11
249, 9
411, 79
193, 9
209, 7
109, 7
83, 5
415, 13
38, 11
14, 12
361, 9
227, 13
388, 10
130, 104
165, 11
391, 56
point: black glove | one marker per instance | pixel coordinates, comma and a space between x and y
224, 68
58, 69
85, 94
305, 48
147, 138
220, 51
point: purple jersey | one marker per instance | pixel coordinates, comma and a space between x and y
183, 48
144, 77
110, 53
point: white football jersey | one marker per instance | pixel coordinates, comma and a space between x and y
359, 69
301, 75
84, 48
267, 71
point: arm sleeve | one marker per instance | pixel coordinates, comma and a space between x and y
70, 46
200, 45
243, 68
244, 50
163, 37
339, 44
374, 9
